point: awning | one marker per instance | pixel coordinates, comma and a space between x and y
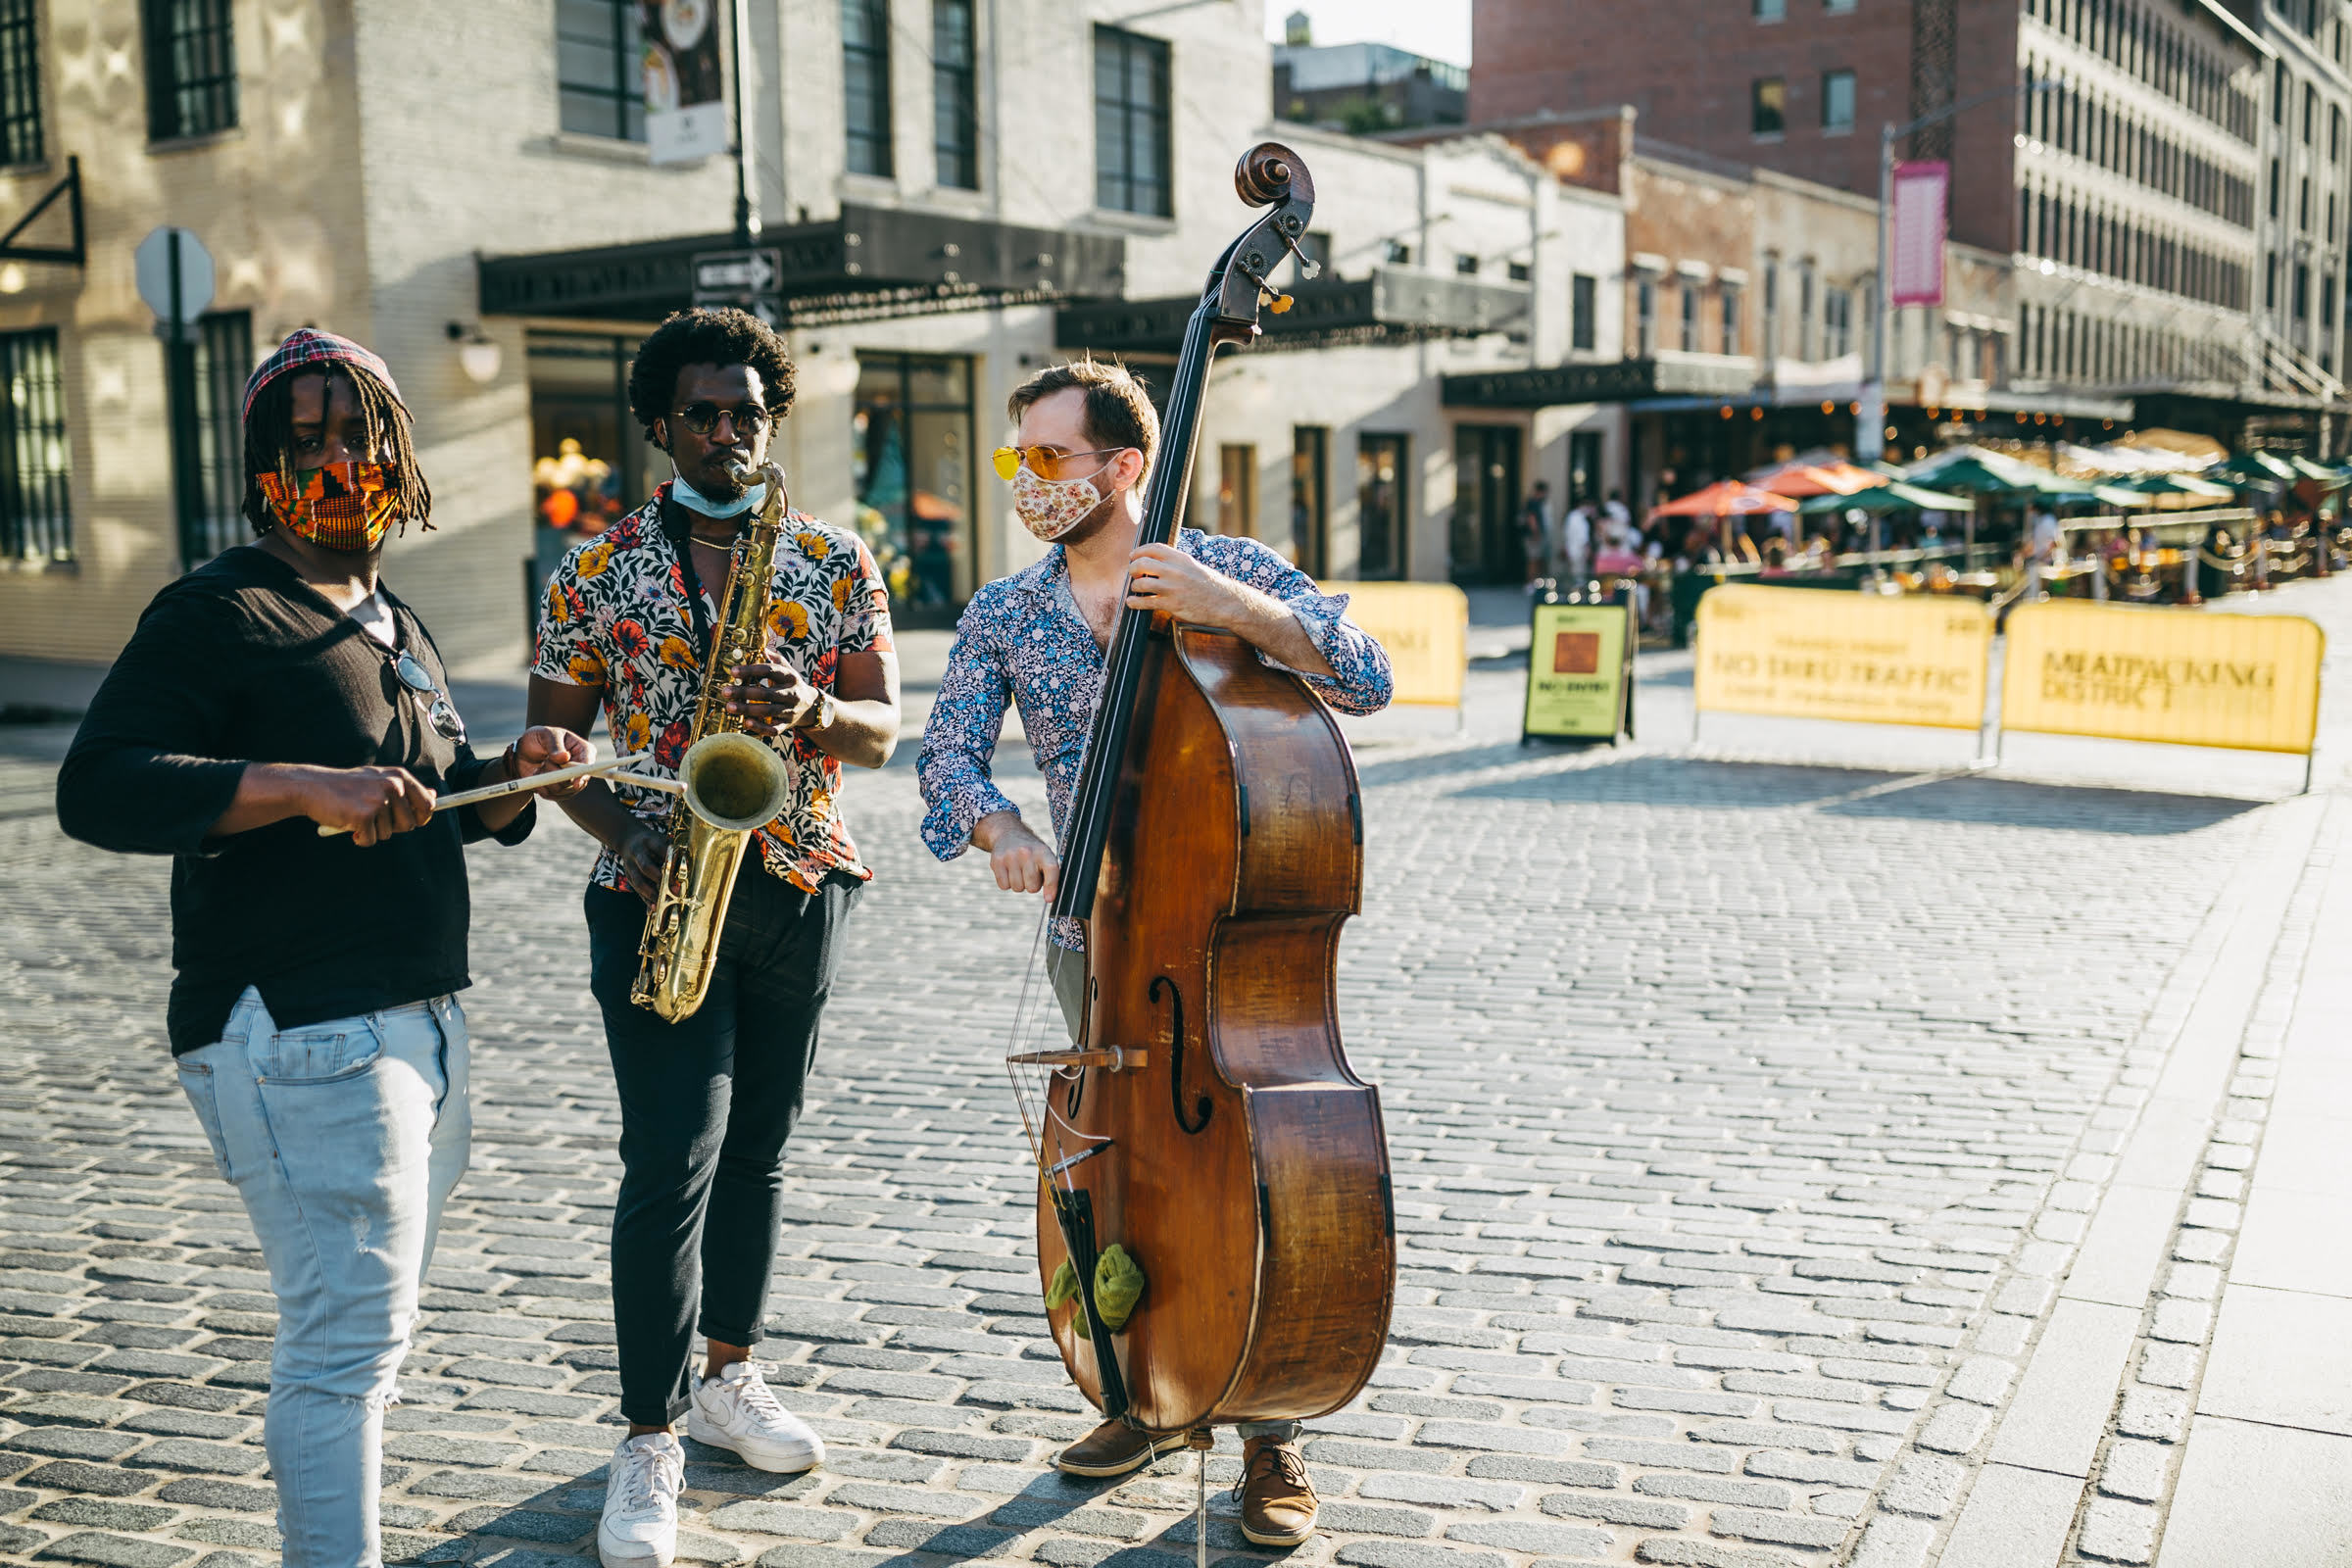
866, 264
1392, 306
1704, 379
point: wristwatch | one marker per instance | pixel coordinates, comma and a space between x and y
821, 716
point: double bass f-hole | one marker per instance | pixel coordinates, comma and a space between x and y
1202, 1108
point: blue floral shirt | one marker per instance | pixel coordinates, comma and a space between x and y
1022, 641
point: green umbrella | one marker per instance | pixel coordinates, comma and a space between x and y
1895, 497
2258, 468
2308, 470
2175, 484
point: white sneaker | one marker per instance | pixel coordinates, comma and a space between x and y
640, 1527
737, 1411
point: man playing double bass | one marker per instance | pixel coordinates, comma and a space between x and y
1037, 639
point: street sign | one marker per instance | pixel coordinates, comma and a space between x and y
730, 277
174, 274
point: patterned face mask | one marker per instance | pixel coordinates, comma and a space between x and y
344, 506
1052, 507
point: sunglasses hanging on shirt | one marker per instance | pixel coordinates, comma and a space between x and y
439, 710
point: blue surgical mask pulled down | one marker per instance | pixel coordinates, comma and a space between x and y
692, 499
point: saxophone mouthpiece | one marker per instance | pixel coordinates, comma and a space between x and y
743, 474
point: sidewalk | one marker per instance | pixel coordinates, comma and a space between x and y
2136, 1423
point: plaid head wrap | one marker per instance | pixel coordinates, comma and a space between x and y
308, 346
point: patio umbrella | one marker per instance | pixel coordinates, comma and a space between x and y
1726, 498
1895, 497
1834, 478
2251, 472
2175, 485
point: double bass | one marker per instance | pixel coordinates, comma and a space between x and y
1204, 1121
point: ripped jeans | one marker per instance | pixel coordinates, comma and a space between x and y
344, 1138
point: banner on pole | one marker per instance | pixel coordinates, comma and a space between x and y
1915, 266
1873, 658
1579, 671
685, 80
2147, 674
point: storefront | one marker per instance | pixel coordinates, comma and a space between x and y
912, 465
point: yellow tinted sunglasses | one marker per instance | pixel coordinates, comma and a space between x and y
1044, 462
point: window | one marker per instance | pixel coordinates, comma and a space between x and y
36, 518
1645, 317
600, 83
955, 111
21, 84
1836, 324
1466, 265
1730, 321
1311, 447
1769, 10
1399, 254
1689, 293
1237, 490
1583, 299
1838, 100
911, 460
1838, 8
1383, 506
213, 517
191, 69
1767, 106
1315, 246
1131, 123
866, 84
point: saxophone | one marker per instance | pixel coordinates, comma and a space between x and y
730, 784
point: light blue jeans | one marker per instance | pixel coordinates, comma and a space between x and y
344, 1138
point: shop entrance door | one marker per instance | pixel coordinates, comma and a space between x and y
1485, 536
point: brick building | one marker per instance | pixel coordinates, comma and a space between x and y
2169, 255
951, 193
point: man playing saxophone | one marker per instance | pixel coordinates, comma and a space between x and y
707, 1101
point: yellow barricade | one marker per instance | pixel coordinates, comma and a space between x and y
2150, 673
1426, 628
1873, 658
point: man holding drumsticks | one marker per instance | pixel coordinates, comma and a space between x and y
275, 691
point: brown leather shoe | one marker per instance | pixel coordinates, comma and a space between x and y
1113, 1449
1278, 1503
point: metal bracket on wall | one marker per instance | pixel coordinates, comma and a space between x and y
75, 255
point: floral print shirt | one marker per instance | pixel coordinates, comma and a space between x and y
1022, 640
617, 616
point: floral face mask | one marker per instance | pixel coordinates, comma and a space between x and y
1052, 507
344, 506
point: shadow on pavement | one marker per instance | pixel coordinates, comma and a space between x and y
2063, 808
1665, 781
1703, 785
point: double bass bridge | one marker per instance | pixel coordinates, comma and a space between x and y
1117, 1059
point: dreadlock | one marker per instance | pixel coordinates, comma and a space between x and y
390, 441
707, 335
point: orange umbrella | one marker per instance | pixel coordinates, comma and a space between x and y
1726, 498
1820, 480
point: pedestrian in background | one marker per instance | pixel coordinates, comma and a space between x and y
1535, 530
277, 689
1575, 542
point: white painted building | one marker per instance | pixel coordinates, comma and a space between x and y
958, 193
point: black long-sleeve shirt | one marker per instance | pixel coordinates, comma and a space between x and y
242, 661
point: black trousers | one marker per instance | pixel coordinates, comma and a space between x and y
706, 1107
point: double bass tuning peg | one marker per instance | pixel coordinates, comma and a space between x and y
1274, 299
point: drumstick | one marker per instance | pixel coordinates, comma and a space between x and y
540, 782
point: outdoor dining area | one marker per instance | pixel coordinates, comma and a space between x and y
2159, 516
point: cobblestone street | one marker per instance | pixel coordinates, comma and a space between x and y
1785, 1154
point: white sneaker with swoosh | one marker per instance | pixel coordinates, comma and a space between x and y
738, 1411
640, 1526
